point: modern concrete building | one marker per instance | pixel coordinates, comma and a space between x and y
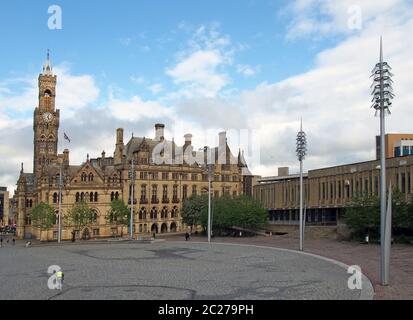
329, 190
396, 145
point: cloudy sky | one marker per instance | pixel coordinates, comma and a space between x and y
203, 67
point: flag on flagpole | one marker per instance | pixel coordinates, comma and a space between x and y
66, 137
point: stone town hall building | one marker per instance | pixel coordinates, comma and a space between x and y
159, 188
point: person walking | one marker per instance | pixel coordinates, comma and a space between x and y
1, 242
14, 241
186, 236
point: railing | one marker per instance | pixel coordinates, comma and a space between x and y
175, 200
165, 200
144, 201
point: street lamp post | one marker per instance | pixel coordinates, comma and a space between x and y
132, 177
382, 101
59, 232
301, 153
210, 171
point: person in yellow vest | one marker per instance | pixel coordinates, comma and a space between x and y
60, 277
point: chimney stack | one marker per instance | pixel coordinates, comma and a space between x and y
188, 140
160, 132
119, 136
66, 157
222, 139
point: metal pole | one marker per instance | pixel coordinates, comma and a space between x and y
301, 207
59, 236
132, 197
384, 267
209, 207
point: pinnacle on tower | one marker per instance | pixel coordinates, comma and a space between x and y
47, 66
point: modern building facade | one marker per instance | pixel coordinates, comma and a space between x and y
161, 185
4, 206
329, 190
397, 145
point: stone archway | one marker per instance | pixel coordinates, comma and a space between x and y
173, 227
164, 228
86, 234
154, 228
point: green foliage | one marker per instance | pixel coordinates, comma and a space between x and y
227, 212
43, 216
192, 209
119, 213
80, 215
362, 216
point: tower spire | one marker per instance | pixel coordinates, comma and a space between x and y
47, 66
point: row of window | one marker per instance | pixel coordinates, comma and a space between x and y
185, 176
91, 197
86, 177
330, 190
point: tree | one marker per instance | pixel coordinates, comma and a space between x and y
242, 211
362, 216
43, 216
119, 214
80, 215
192, 210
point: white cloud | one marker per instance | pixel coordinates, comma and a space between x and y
136, 109
199, 71
248, 71
156, 88
320, 18
137, 79
126, 42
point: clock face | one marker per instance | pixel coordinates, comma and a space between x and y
47, 117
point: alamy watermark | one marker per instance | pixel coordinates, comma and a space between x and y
55, 21
355, 281
355, 20
55, 281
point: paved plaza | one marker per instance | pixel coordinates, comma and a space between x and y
172, 270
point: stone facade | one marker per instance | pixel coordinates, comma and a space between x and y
159, 189
4, 206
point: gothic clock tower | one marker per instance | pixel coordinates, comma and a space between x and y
45, 121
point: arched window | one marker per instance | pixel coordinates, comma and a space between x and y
57, 217
154, 213
55, 197
117, 195
112, 196
90, 177
83, 177
96, 197
77, 197
174, 212
142, 214
95, 216
31, 203
164, 213
82, 196
91, 197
